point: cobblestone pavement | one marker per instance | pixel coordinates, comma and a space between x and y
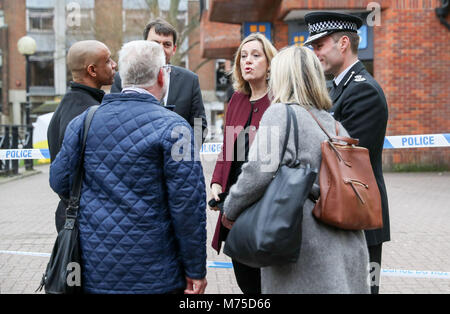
420, 224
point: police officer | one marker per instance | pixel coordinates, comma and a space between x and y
358, 103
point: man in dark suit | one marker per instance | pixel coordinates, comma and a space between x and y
358, 103
92, 67
184, 96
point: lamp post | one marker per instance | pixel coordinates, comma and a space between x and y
27, 47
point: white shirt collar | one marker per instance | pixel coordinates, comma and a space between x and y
136, 90
340, 77
167, 91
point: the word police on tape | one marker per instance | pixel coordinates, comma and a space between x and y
390, 142
14, 154
417, 141
211, 148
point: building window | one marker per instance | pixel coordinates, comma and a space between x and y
42, 70
40, 20
82, 24
2, 18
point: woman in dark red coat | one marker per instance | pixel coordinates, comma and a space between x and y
245, 109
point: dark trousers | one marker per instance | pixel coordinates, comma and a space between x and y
375, 269
248, 278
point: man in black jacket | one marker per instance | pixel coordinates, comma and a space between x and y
358, 103
183, 96
92, 67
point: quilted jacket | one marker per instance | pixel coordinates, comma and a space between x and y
142, 210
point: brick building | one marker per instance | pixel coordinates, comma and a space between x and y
12, 62
408, 53
55, 25
404, 45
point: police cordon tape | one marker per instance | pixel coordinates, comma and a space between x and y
15, 154
417, 141
390, 142
228, 265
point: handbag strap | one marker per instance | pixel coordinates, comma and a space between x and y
74, 202
290, 115
294, 119
286, 135
321, 126
349, 140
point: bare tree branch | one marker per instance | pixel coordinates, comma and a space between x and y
205, 61
173, 17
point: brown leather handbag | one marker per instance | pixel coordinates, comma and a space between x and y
349, 196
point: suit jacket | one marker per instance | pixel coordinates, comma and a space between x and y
184, 94
360, 105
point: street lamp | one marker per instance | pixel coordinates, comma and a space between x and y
27, 47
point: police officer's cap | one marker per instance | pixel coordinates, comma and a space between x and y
322, 24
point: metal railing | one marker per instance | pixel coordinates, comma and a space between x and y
15, 137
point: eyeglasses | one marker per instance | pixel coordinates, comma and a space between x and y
166, 68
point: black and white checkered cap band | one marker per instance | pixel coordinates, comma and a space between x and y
331, 25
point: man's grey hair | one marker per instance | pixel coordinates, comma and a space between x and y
140, 62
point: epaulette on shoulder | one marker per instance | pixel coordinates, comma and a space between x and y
359, 78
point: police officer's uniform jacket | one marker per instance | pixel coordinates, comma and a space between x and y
360, 105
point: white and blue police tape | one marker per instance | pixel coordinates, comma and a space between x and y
390, 142
213, 264
14, 154
415, 273
227, 265
417, 141
211, 148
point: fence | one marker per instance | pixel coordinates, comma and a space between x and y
15, 137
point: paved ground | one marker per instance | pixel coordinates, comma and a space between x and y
420, 224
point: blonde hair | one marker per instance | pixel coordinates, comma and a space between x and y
296, 76
239, 83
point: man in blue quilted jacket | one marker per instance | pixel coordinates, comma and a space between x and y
142, 213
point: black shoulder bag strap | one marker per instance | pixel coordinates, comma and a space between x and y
74, 202
290, 115
286, 135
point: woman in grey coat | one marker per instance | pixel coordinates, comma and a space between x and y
331, 260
